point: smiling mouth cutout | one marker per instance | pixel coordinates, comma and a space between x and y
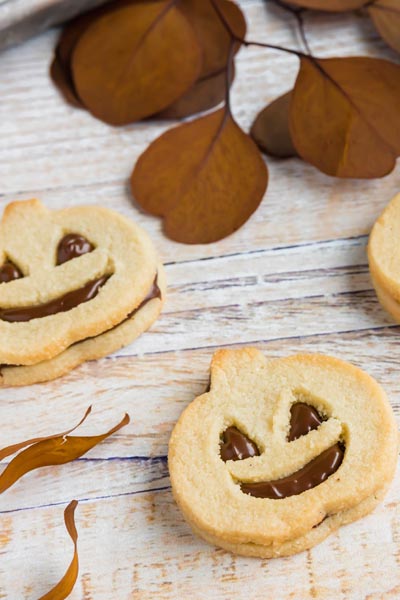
62, 304
304, 418
71, 246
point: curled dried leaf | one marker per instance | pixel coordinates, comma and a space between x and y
205, 178
4, 452
65, 586
206, 93
135, 61
330, 5
344, 115
386, 17
57, 449
270, 129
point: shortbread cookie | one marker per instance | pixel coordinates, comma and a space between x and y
388, 302
95, 347
384, 257
280, 453
66, 276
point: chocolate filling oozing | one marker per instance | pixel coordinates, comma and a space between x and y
304, 418
62, 304
154, 292
71, 246
9, 272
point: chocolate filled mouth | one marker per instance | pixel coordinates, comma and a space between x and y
154, 292
314, 473
235, 445
62, 304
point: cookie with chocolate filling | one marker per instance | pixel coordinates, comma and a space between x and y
384, 257
75, 284
280, 453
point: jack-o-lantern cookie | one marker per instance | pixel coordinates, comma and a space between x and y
280, 453
75, 284
384, 257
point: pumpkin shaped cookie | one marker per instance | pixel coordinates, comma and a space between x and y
280, 453
384, 257
75, 284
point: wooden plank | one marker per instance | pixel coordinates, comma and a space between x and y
154, 389
147, 529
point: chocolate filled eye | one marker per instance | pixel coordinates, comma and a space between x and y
9, 272
237, 446
303, 419
71, 246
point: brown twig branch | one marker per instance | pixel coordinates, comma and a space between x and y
298, 14
228, 76
300, 21
246, 42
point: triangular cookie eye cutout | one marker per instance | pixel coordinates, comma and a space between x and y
303, 419
237, 446
9, 272
71, 246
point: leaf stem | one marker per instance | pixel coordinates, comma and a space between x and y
300, 21
245, 42
298, 13
228, 77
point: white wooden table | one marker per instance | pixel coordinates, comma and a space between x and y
295, 278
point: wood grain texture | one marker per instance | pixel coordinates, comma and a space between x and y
294, 279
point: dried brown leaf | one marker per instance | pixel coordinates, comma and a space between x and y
135, 61
72, 32
206, 93
270, 129
57, 449
60, 70
330, 5
212, 34
386, 17
210, 89
205, 178
345, 117
61, 76
65, 586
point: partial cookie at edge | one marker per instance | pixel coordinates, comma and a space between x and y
122, 251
